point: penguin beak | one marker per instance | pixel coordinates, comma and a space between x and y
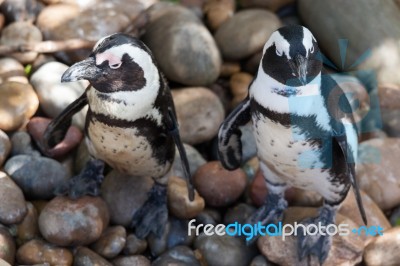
302, 64
85, 69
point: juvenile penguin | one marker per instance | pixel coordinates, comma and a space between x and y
130, 124
306, 136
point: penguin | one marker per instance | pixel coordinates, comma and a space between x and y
305, 134
130, 124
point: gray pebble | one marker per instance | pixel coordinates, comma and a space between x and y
111, 242
134, 245
136, 260
395, 217
239, 213
12, 202
260, 260
177, 256
5, 147
22, 144
37, 176
7, 246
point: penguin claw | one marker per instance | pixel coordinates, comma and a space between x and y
152, 217
87, 182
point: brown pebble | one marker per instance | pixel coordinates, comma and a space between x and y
134, 245
7, 246
86, 257
111, 242
218, 11
12, 202
28, 228
137, 260
384, 250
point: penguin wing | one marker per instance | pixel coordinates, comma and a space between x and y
172, 125
229, 142
58, 127
345, 136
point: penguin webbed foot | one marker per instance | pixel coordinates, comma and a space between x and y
87, 182
271, 212
152, 217
317, 245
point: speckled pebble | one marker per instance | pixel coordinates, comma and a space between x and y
5, 147
67, 222
86, 257
22, 144
134, 245
37, 252
137, 260
7, 246
111, 242
12, 202
179, 255
36, 176
218, 186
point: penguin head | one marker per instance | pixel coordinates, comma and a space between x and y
118, 62
291, 56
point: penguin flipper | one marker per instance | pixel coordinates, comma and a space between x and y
172, 126
229, 142
58, 127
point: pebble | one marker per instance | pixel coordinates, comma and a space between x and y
138, 260
28, 229
179, 255
18, 103
67, 222
384, 250
395, 216
117, 189
5, 147
229, 68
7, 246
239, 85
22, 144
178, 199
218, 186
200, 113
12, 70
209, 216
389, 95
248, 30
21, 33
239, 213
134, 245
377, 172
259, 260
193, 57
20, 10
111, 242
195, 160
38, 251
12, 202
38, 177
345, 250
217, 12
224, 250
55, 96
273, 5
82, 157
86, 257
54, 16
36, 128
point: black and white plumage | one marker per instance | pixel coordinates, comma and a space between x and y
306, 136
131, 122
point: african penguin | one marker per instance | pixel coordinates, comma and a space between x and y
130, 124
305, 137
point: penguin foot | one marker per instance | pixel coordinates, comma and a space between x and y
269, 213
87, 182
316, 244
153, 215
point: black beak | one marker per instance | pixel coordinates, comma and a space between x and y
85, 69
302, 64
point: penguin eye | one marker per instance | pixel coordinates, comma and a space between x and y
115, 66
279, 53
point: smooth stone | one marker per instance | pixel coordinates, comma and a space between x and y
178, 199
273, 5
193, 57
86, 257
25, 10
36, 128
134, 245
229, 68
12, 202
111, 242
200, 113
54, 16
218, 186
5, 147
37, 252
224, 250
384, 250
117, 189
28, 229
345, 250
137, 260
55, 96
22, 144
239, 86
389, 95
239, 213
12, 70
37, 176
371, 43
179, 256
248, 30
260, 260
18, 103
194, 157
7, 246
209, 216
21, 33
67, 222
377, 172
217, 12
